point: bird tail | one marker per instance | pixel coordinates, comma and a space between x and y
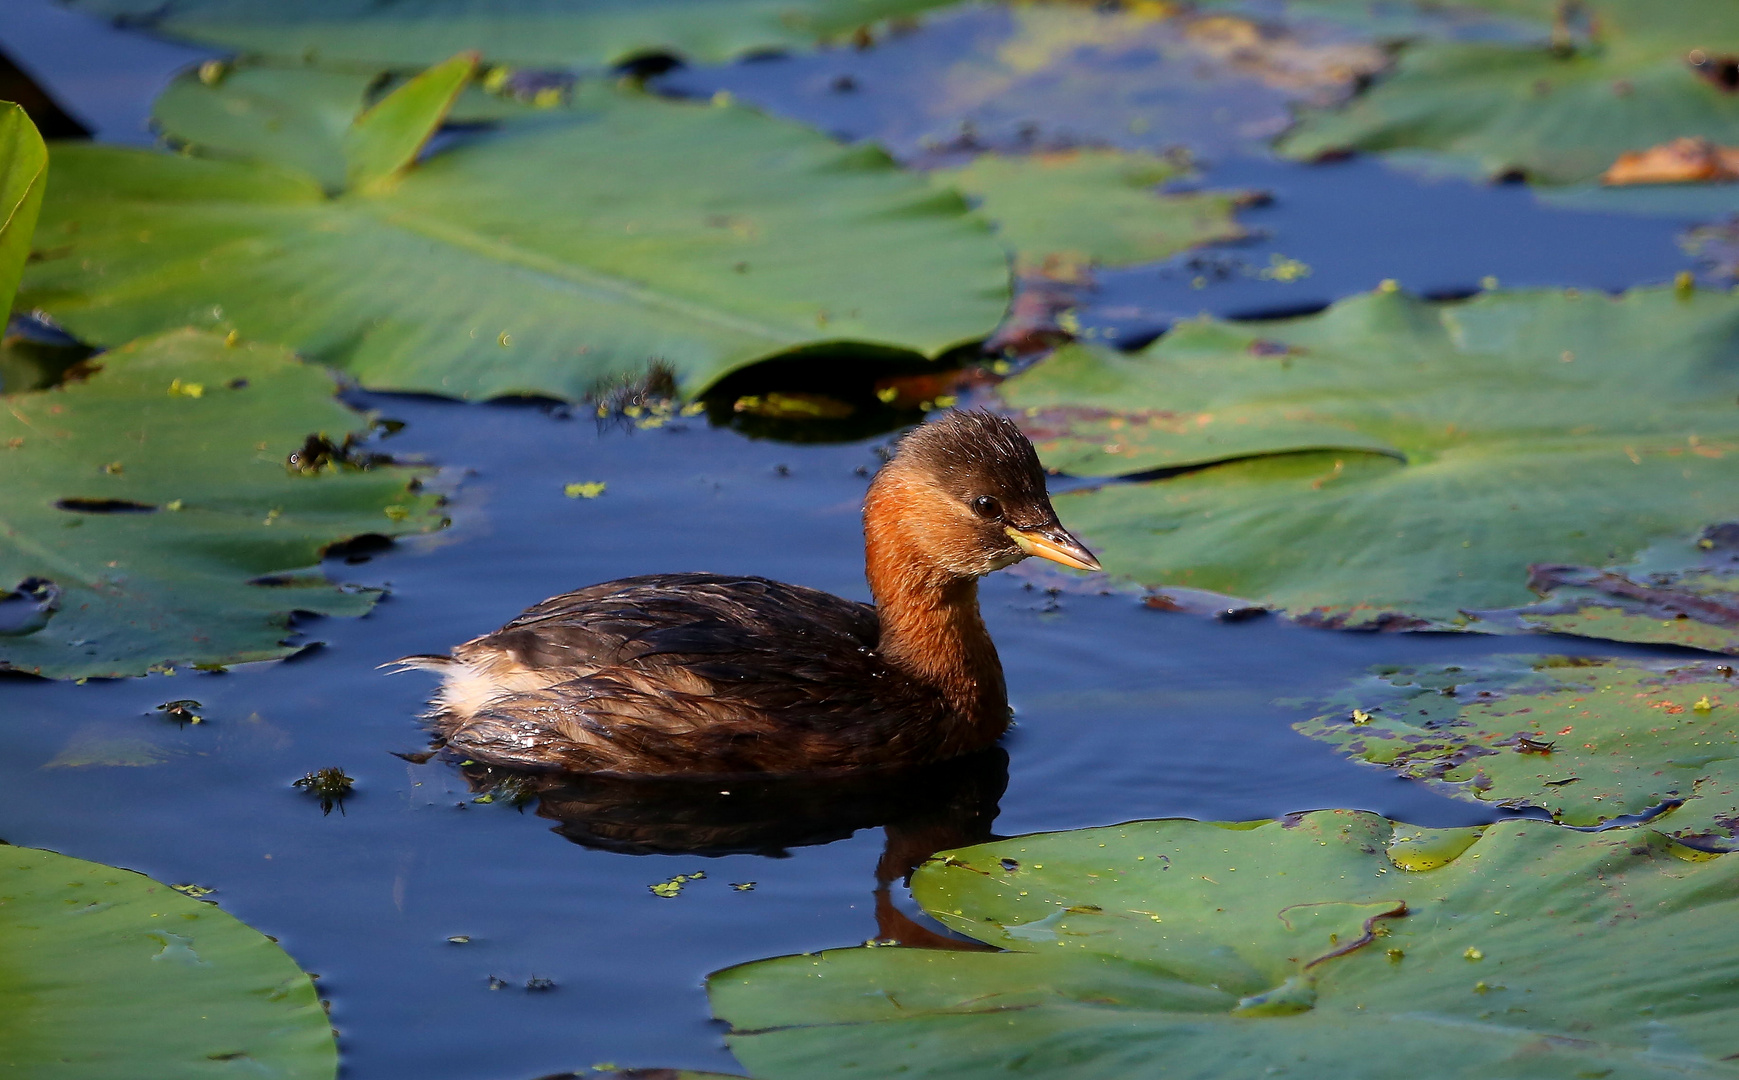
419, 662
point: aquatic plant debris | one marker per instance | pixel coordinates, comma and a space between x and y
574, 276
673, 888
1603, 79
329, 785
1588, 741
1305, 945
585, 489
533, 33
1397, 462
183, 711
113, 974
144, 530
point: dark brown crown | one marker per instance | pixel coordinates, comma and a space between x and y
975, 452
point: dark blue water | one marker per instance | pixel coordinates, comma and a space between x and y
1123, 712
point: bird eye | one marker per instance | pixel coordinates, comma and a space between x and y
986, 507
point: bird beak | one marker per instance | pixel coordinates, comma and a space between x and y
1053, 542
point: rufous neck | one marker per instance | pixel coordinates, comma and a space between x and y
930, 625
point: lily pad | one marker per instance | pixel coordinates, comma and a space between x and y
1616, 80
1587, 741
1066, 212
550, 33
1396, 462
1334, 943
173, 509
108, 973
23, 172
561, 249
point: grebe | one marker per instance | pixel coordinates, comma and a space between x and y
714, 675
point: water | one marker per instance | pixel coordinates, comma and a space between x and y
1123, 712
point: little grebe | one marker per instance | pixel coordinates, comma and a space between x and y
705, 674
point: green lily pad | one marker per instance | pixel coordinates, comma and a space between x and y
1330, 944
152, 514
1396, 462
23, 173
563, 249
550, 33
1587, 741
1618, 81
106, 973
1063, 213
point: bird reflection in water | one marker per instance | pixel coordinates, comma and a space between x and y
921, 811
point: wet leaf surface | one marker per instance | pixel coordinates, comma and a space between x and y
1587, 741
574, 272
1306, 945
1394, 462
149, 516
1616, 76
23, 175
1676, 593
109, 973
549, 33
1066, 212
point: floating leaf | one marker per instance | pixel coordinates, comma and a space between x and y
563, 248
109, 973
1616, 80
584, 489
1304, 946
1587, 741
140, 527
23, 172
1065, 212
551, 33
1397, 462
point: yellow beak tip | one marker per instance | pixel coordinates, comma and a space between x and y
1065, 550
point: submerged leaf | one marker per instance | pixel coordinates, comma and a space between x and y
1029, 76
109, 974
139, 528
23, 172
559, 250
1397, 462
1587, 741
1300, 946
